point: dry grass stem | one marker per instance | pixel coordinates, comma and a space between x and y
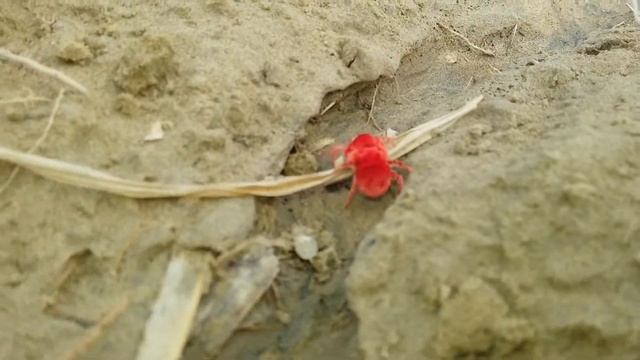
230, 299
24, 100
321, 144
52, 299
328, 107
469, 83
52, 116
96, 331
276, 294
467, 41
135, 236
413, 138
513, 36
89, 178
69, 267
168, 326
618, 25
398, 92
370, 118
36, 66
43, 136
635, 8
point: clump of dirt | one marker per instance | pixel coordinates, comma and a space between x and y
476, 320
149, 64
300, 163
75, 52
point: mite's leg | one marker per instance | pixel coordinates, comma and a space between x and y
352, 192
400, 165
399, 180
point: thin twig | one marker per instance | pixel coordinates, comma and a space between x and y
327, 108
398, 93
94, 334
276, 294
321, 144
43, 136
466, 40
135, 236
617, 25
471, 81
513, 36
370, 118
54, 111
494, 68
24, 100
51, 300
56, 74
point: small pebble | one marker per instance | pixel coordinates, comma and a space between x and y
305, 246
304, 243
300, 163
75, 52
155, 133
283, 316
478, 130
451, 58
390, 133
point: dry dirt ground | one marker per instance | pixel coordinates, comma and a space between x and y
517, 236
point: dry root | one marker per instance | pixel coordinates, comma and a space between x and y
36, 66
34, 147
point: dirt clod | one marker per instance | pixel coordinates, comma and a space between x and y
148, 64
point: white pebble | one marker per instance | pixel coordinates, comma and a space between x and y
390, 133
305, 246
156, 133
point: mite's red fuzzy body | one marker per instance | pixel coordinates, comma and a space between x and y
373, 170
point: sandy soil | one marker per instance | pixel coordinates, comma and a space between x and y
516, 238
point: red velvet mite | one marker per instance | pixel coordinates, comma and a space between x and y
373, 171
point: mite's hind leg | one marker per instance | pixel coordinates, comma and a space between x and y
352, 192
399, 181
400, 165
